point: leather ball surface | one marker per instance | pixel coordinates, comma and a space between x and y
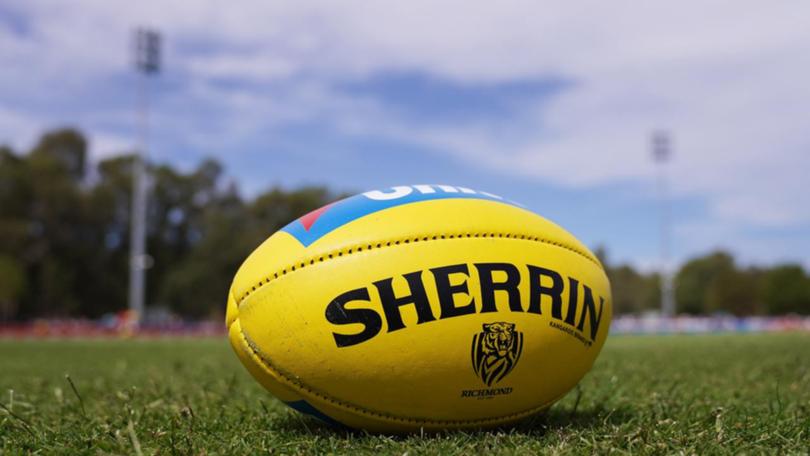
420, 307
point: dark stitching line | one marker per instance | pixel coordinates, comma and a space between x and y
416, 239
267, 365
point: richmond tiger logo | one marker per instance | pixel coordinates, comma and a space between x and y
496, 350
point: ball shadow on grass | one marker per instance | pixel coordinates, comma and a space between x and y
294, 423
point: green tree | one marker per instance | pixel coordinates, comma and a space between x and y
734, 291
54, 227
693, 281
12, 286
228, 231
633, 292
713, 284
66, 147
222, 245
16, 197
786, 289
106, 212
54, 246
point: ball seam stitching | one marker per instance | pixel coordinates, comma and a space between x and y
363, 411
380, 244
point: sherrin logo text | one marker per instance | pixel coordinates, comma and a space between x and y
579, 315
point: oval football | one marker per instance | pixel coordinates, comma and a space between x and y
420, 307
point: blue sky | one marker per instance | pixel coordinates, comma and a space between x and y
547, 103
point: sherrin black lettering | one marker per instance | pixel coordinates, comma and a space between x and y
453, 282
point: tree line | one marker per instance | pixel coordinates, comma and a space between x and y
64, 242
64, 231
714, 284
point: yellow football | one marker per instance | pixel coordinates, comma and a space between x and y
420, 307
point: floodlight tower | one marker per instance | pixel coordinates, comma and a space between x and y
661, 150
147, 63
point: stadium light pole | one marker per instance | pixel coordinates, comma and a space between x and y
147, 63
661, 151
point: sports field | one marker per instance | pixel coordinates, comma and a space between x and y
663, 394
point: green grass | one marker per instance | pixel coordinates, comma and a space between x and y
669, 394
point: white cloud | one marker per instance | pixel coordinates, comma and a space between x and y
252, 67
728, 78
